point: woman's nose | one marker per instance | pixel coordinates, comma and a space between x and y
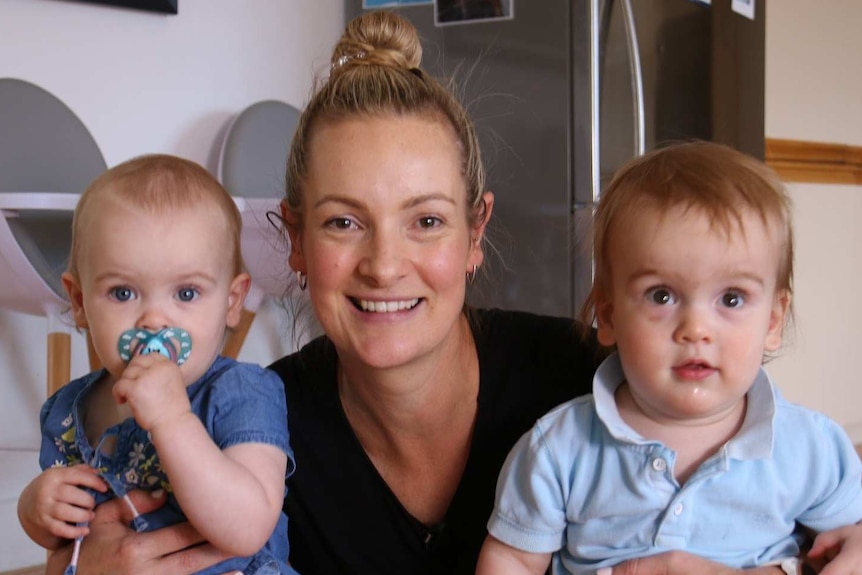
384, 257
693, 325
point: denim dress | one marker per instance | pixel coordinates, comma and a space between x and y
236, 402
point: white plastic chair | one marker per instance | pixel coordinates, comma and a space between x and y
47, 159
251, 167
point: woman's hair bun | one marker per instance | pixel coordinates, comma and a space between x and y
378, 38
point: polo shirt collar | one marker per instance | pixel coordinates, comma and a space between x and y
752, 441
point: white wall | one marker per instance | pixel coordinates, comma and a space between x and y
144, 82
814, 92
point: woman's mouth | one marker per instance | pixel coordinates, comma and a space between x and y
389, 306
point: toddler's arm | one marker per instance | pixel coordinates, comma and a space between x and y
52, 504
232, 497
497, 558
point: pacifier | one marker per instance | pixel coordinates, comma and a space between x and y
172, 342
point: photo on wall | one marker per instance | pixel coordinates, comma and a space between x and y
447, 12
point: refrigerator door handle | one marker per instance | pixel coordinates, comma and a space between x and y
595, 97
636, 76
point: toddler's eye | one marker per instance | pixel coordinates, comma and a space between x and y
187, 294
122, 294
661, 296
732, 299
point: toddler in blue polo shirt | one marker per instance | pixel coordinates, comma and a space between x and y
156, 276
685, 443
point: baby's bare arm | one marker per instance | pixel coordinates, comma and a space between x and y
233, 497
52, 505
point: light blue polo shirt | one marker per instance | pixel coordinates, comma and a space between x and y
584, 483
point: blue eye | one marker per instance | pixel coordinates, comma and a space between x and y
732, 299
187, 294
661, 296
122, 293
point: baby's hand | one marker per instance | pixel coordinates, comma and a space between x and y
56, 500
153, 387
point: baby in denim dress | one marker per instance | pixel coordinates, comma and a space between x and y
156, 276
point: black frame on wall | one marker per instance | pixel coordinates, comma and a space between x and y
165, 6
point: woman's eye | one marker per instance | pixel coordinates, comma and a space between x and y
187, 294
429, 222
340, 223
732, 299
661, 296
122, 294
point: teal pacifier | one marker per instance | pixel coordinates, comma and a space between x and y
172, 342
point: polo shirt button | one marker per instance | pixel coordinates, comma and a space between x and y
677, 509
659, 464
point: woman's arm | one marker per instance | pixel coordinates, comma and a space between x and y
113, 548
840, 549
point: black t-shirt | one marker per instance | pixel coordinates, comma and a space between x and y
343, 518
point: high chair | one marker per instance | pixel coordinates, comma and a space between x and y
251, 167
47, 159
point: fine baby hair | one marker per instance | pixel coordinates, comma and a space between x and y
705, 176
156, 183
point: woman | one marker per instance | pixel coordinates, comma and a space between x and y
401, 416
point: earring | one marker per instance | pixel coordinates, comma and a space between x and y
303, 280
471, 275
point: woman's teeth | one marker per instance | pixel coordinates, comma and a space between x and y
387, 306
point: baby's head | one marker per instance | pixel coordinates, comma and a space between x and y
698, 177
155, 184
694, 272
156, 244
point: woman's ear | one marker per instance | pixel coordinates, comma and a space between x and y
72, 285
483, 216
292, 223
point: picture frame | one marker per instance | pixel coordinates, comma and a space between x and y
163, 6
450, 12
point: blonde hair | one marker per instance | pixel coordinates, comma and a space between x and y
156, 183
376, 71
711, 178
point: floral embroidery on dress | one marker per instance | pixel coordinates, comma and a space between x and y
141, 469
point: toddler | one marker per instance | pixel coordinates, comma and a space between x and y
156, 277
685, 442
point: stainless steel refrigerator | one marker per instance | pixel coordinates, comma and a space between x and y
564, 91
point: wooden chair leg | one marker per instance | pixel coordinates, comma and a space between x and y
59, 360
95, 362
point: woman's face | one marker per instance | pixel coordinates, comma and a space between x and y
385, 238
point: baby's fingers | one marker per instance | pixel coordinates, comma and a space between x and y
65, 530
85, 476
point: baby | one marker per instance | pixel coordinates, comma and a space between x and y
685, 443
156, 276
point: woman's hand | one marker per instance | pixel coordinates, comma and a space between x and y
840, 550
682, 563
113, 548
